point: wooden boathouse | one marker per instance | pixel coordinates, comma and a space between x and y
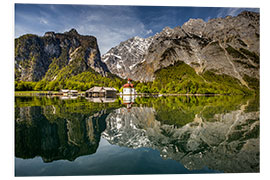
101, 92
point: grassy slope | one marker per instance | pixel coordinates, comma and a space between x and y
181, 78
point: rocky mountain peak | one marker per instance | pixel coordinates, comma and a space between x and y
121, 59
49, 34
251, 15
223, 45
72, 31
194, 26
137, 38
194, 22
167, 31
40, 57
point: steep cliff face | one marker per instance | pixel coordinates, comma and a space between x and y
56, 54
122, 58
224, 46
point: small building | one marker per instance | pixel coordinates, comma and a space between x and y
128, 89
95, 92
64, 92
67, 92
110, 92
101, 92
73, 92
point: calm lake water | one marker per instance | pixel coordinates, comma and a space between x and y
165, 135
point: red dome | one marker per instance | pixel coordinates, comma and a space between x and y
128, 85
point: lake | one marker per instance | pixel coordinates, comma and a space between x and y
164, 135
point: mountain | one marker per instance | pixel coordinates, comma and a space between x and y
222, 46
122, 58
56, 56
221, 56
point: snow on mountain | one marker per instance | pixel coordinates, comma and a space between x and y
124, 57
223, 45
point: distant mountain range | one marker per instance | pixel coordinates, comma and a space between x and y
227, 46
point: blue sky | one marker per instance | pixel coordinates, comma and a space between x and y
110, 24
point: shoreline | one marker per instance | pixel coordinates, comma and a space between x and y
82, 93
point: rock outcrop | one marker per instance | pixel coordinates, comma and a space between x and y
122, 58
38, 57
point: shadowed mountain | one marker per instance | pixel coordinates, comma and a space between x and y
56, 56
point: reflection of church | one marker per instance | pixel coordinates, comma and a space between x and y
128, 94
128, 101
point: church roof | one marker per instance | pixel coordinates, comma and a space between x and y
128, 85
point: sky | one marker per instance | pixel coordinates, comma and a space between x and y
110, 24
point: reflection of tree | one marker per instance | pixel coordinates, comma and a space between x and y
58, 131
38, 138
221, 133
181, 110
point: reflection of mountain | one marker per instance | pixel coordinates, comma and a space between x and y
53, 134
221, 133
128, 127
227, 141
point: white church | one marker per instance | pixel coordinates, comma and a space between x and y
128, 89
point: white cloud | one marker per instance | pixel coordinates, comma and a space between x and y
149, 31
43, 21
233, 11
112, 27
109, 24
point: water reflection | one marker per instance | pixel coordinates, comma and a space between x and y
56, 129
101, 99
229, 142
67, 97
220, 133
128, 100
56, 137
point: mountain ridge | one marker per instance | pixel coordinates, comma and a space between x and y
227, 45
220, 56
38, 57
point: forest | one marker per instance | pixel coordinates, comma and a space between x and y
177, 79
